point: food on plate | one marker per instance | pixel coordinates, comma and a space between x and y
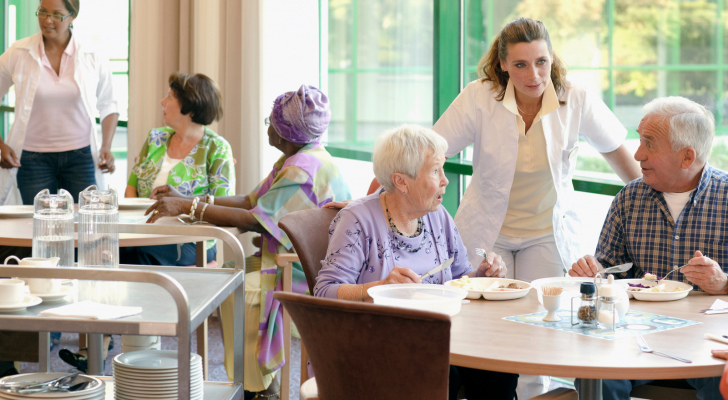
651, 277
466, 283
513, 285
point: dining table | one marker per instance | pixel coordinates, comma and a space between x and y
17, 231
481, 338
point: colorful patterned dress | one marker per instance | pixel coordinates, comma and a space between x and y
308, 179
208, 168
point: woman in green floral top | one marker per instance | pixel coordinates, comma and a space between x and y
185, 155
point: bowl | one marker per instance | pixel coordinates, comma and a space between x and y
437, 298
495, 295
666, 296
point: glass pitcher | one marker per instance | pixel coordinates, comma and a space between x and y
98, 228
53, 226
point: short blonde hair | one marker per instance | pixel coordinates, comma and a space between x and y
403, 150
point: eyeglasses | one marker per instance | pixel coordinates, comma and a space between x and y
267, 121
55, 17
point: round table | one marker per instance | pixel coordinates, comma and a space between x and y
481, 338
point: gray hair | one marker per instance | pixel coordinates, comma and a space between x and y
403, 150
691, 124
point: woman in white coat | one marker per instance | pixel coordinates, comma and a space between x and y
59, 84
524, 118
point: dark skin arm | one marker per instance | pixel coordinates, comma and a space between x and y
214, 214
241, 201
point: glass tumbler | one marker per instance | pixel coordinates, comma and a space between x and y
98, 228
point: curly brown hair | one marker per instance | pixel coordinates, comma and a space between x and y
522, 30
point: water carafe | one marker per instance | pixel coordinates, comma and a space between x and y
53, 226
98, 228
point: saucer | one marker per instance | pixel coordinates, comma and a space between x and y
51, 297
28, 301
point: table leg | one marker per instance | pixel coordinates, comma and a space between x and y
202, 348
95, 353
590, 389
201, 262
44, 351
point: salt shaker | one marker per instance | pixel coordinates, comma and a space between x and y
587, 312
608, 315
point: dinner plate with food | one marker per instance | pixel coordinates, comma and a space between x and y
491, 288
652, 289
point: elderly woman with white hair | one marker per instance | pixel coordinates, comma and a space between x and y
400, 232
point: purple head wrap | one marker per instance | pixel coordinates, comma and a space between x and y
301, 117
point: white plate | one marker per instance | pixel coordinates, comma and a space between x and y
135, 203
162, 384
51, 297
28, 301
92, 392
496, 295
667, 296
16, 212
153, 373
196, 377
437, 298
152, 360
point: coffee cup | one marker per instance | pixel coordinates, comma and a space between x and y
12, 291
39, 285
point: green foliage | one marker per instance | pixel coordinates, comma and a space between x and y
593, 164
719, 155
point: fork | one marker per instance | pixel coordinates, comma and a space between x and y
647, 349
480, 252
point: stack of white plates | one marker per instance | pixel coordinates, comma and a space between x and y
152, 374
94, 390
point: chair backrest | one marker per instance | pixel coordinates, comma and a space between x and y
309, 234
367, 351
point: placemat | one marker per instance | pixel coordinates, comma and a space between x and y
634, 322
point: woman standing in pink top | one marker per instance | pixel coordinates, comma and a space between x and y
59, 85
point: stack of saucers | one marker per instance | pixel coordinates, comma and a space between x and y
152, 374
93, 390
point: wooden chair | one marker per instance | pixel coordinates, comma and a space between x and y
308, 231
366, 351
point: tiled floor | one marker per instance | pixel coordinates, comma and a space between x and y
215, 349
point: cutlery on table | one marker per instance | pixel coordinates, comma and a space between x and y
616, 269
647, 349
714, 309
438, 268
717, 338
31, 387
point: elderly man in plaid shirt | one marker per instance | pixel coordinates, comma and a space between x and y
675, 216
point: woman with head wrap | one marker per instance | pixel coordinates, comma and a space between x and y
304, 177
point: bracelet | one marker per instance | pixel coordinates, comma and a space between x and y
202, 214
193, 208
361, 293
212, 200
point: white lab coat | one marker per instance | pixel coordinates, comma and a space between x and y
476, 117
21, 66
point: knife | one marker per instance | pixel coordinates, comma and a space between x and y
616, 269
438, 268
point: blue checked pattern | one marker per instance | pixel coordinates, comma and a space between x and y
640, 229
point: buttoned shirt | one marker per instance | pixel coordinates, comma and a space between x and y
640, 229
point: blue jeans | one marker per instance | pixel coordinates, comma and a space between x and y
71, 170
168, 255
620, 389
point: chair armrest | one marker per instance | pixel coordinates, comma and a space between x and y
283, 260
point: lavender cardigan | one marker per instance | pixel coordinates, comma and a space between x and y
362, 248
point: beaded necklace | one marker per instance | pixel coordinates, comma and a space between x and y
398, 243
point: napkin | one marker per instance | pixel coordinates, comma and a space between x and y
719, 306
91, 310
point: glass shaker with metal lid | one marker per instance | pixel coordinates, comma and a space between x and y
586, 313
98, 228
53, 226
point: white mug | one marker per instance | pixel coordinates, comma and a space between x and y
12, 291
39, 285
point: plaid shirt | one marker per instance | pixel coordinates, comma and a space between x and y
640, 229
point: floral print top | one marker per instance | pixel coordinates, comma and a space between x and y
207, 169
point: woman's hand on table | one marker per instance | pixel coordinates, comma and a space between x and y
492, 266
720, 354
401, 275
168, 207
8, 159
586, 266
706, 273
106, 161
165, 191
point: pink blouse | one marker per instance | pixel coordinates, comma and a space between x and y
58, 120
